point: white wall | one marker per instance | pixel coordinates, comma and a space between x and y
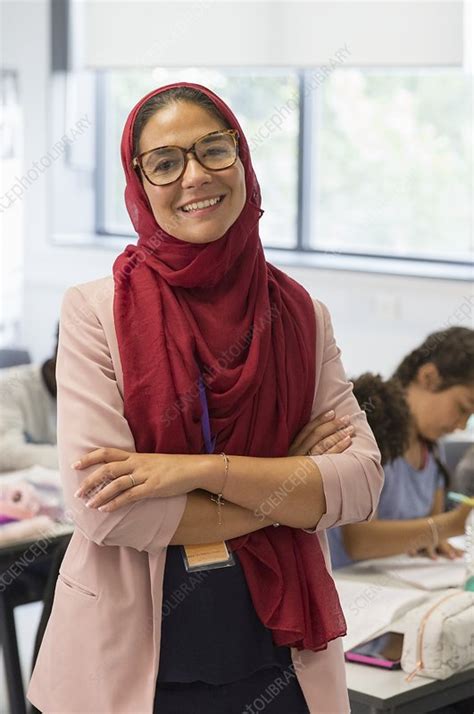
272, 32
377, 317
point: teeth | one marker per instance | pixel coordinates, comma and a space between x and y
201, 204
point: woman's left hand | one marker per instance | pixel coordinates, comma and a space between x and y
155, 475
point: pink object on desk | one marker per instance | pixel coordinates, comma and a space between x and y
19, 501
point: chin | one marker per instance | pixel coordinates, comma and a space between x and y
200, 239
434, 436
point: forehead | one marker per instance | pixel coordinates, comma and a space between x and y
180, 124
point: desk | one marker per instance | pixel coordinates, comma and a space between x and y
373, 690
27, 587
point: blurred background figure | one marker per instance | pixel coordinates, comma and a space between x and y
28, 415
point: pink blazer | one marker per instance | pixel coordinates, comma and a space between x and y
101, 648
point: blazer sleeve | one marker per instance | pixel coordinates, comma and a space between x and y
353, 480
90, 416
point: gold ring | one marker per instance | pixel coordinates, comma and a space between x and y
133, 480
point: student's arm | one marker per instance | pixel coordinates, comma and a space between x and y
444, 547
381, 538
438, 502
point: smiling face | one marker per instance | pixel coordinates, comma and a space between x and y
437, 413
180, 124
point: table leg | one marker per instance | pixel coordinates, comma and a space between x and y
16, 695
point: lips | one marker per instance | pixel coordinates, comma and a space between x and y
201, 204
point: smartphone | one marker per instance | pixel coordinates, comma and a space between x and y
384, 651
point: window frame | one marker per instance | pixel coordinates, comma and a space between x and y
302, 254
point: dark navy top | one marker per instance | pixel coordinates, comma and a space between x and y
210, 631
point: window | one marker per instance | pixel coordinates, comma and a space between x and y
364, 163
392, 164
11, 208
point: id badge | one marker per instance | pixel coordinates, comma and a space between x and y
207, 556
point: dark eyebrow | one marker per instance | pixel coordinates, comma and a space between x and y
164, 148
206, 139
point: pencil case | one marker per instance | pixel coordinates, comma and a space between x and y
439, 636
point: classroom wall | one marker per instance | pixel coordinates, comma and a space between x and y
377, 318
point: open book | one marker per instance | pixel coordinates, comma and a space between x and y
419, 572
370, 608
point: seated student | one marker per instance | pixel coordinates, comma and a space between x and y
438, 382
28, 415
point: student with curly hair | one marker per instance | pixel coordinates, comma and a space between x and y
386, 408
437, 379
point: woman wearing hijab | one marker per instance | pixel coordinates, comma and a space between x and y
198, 577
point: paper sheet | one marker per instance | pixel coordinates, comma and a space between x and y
33, 474
420, 572
369, 608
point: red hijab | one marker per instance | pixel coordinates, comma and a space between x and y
220, 310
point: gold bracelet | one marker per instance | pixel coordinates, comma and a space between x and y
219, 499
226, 472
434, 532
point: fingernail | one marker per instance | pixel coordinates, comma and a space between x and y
348, 429
75, 465
89, 504
345, 419
329, 414
102, 508
77, 494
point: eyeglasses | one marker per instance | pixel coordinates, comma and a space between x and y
215, 151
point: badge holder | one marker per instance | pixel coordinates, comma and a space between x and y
206, 556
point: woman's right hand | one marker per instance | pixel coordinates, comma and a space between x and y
323, 435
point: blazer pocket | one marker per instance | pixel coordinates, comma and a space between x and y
75, 586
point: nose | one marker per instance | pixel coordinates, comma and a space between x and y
194, 174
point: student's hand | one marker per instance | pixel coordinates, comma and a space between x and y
457, 518
444, 548
155, 475
424, 552
324, 435
449, 551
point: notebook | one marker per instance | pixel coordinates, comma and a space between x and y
369, 608
420, 572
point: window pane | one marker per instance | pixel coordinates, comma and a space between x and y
255, 99
393, 159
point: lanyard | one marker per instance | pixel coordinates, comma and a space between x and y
209, 442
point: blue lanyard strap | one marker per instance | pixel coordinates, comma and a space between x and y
209, 442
